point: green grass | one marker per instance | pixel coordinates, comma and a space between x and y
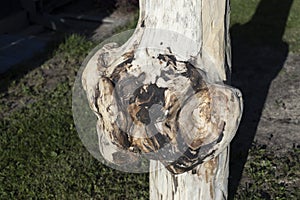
269, 25
42, 156
292, 32
269, 175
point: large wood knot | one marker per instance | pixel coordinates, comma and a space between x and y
163, 108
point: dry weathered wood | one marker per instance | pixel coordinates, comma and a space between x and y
161, 95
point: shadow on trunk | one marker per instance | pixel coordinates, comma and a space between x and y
259, 53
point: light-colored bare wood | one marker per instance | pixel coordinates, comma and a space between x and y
162, 95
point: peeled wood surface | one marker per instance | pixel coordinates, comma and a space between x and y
206, 181
161, 95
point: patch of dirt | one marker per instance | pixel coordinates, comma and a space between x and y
269, 79
279, 125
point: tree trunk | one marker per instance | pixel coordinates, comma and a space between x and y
206, 181
161, 96
207, 23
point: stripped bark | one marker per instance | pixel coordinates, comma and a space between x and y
162, 95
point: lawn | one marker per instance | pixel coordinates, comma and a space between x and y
270, 16
42, 156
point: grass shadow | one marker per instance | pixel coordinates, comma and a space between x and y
259, 54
